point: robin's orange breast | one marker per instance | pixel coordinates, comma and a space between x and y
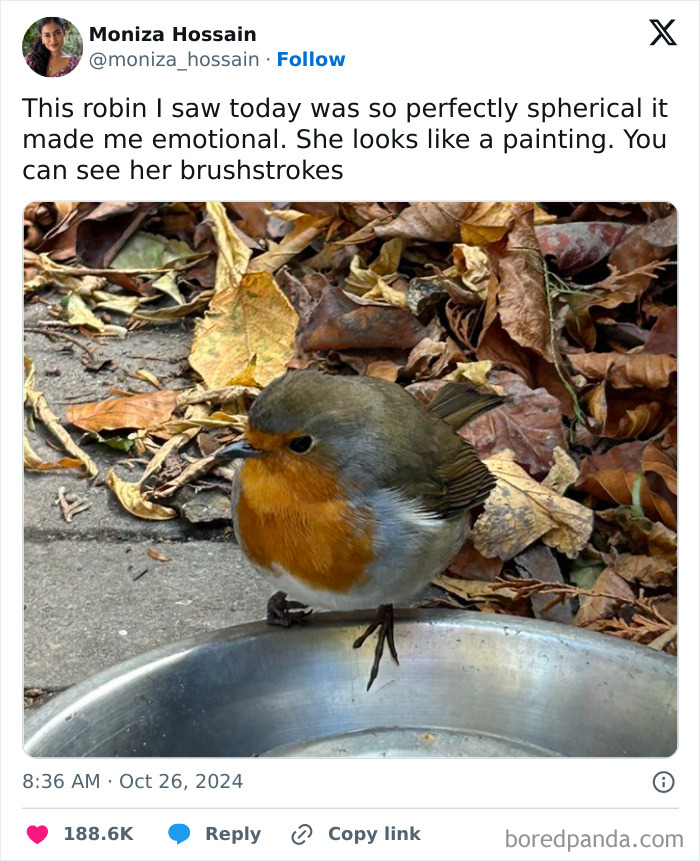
292, 515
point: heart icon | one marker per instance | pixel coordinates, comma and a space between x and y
37, 833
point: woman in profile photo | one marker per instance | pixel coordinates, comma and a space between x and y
48, 56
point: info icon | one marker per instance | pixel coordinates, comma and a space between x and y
663, 781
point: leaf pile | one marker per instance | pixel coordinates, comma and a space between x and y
568, 310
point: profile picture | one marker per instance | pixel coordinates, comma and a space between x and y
52, 47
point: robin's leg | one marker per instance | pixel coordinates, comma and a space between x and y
286, 613
384, 620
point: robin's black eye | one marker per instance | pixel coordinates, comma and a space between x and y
301, 444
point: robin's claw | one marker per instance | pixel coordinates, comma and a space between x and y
286, 613
384, 620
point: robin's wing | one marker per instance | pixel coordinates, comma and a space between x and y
456, 404
463, 479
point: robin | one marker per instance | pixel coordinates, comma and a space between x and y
353, 494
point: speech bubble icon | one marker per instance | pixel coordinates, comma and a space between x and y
178, 832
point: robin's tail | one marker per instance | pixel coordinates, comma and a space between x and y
456, 404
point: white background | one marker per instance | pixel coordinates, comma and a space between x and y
395, 51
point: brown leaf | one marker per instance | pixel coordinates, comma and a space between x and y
306, 229
628, 414
434, 222
539, 563
652, 571
522, 301
579, 245
616, 475
339, 323
663, 337
519, 511
136, 411
471, 565
616, 591
619, 288
624, 371
529, 423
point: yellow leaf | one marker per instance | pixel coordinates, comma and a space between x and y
246, 319
78, 314
306, 229
477, 373
40, 407
33, 461
234, 254
519, 511
130, 496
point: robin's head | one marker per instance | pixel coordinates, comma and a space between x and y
364, 432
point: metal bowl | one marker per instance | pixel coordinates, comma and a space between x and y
468, 685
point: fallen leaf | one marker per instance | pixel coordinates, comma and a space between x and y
652, 571
306, 229
339, 323
539, 563
33, 461
469, 564
42, 412
136, 411
579, 245
249, 318
77, 313
624, 371
615, 592
519, 511
663, 337
529, 423
130, 496
622, 474
159, 557
563, 473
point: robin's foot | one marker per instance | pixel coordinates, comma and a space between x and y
384, 620
286, 613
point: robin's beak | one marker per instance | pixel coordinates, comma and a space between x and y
241, 448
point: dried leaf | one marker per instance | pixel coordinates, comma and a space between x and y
624, 371
77, 313
130, 496
615, 591
136, 411
652, 571
663, 337
519, 510
339, 323
306, 229
249, 317
563, 473
529, 423
622, 474
579, 245
33, 461
469, 564
42, 411
159, 557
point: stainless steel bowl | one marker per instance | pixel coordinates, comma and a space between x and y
468, 685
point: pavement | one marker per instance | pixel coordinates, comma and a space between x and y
93, 595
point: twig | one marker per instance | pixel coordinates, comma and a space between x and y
39, 330
664, 639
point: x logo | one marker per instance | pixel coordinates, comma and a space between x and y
662, 31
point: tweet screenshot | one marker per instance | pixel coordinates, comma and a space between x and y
347, 524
